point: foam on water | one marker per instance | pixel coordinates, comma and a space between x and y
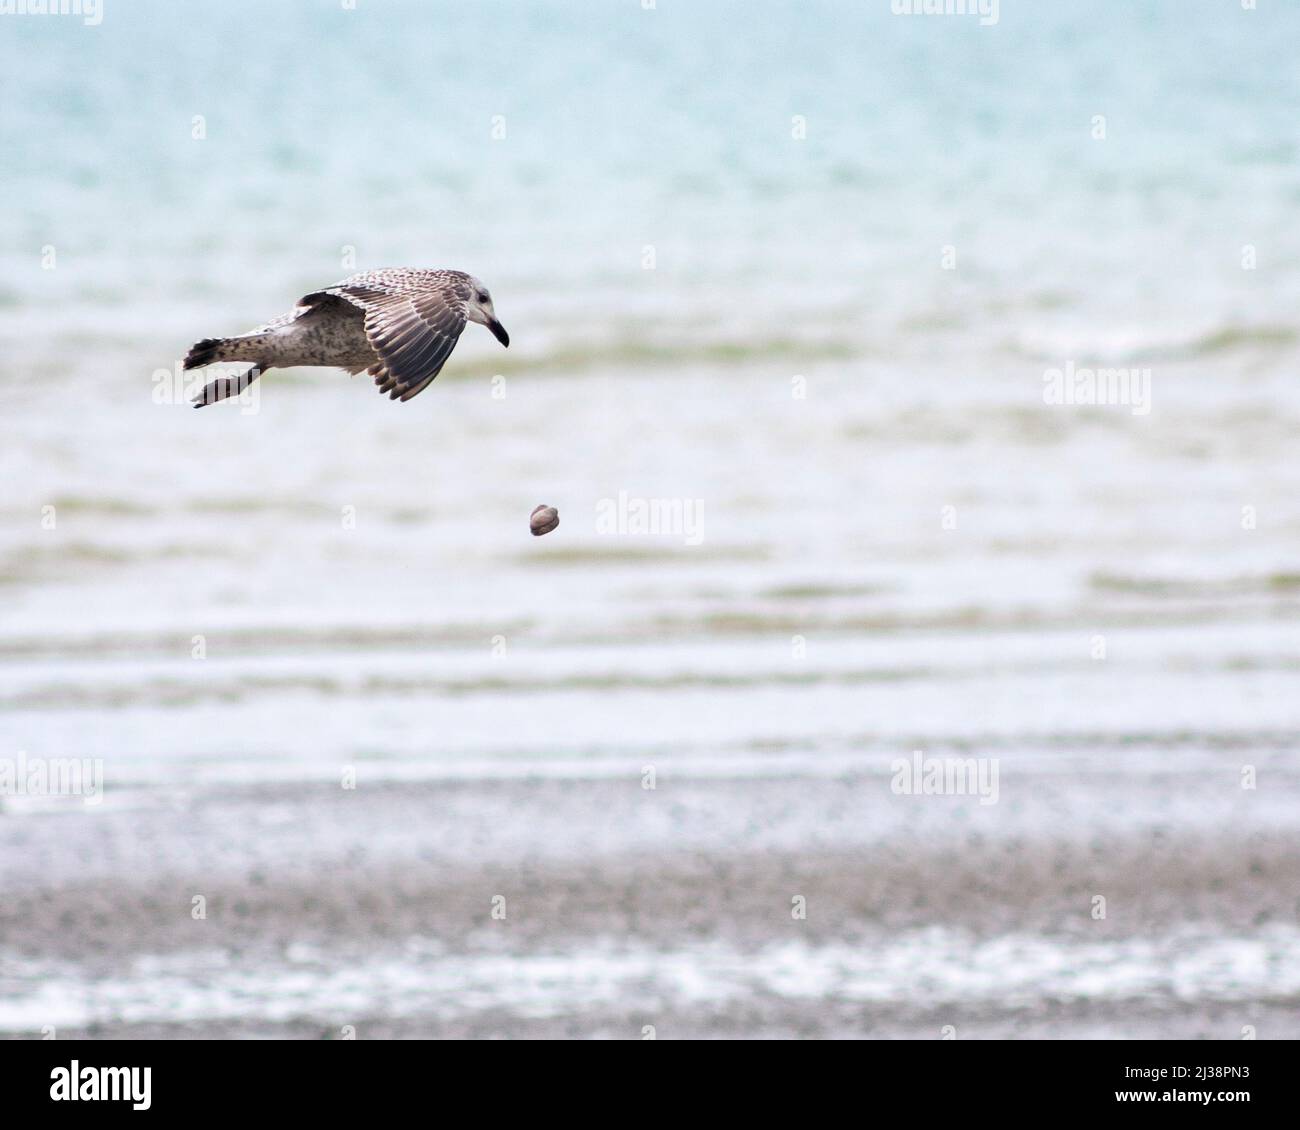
419, 979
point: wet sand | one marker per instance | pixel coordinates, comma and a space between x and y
373, 909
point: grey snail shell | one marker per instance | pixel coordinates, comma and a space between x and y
544, 519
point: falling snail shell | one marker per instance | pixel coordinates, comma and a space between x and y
544, 519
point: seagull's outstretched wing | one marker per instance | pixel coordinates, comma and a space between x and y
412, 325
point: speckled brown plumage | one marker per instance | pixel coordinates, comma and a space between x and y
398, 324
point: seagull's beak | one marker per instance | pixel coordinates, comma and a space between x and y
499, 332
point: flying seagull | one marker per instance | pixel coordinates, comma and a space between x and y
399, 325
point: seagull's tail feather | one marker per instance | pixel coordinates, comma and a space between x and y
212, 350
223, 387
205, 352
244, 347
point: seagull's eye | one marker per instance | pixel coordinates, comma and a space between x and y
483, 296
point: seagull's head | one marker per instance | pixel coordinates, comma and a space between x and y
480, 310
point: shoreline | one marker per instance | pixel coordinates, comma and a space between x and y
312, 922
